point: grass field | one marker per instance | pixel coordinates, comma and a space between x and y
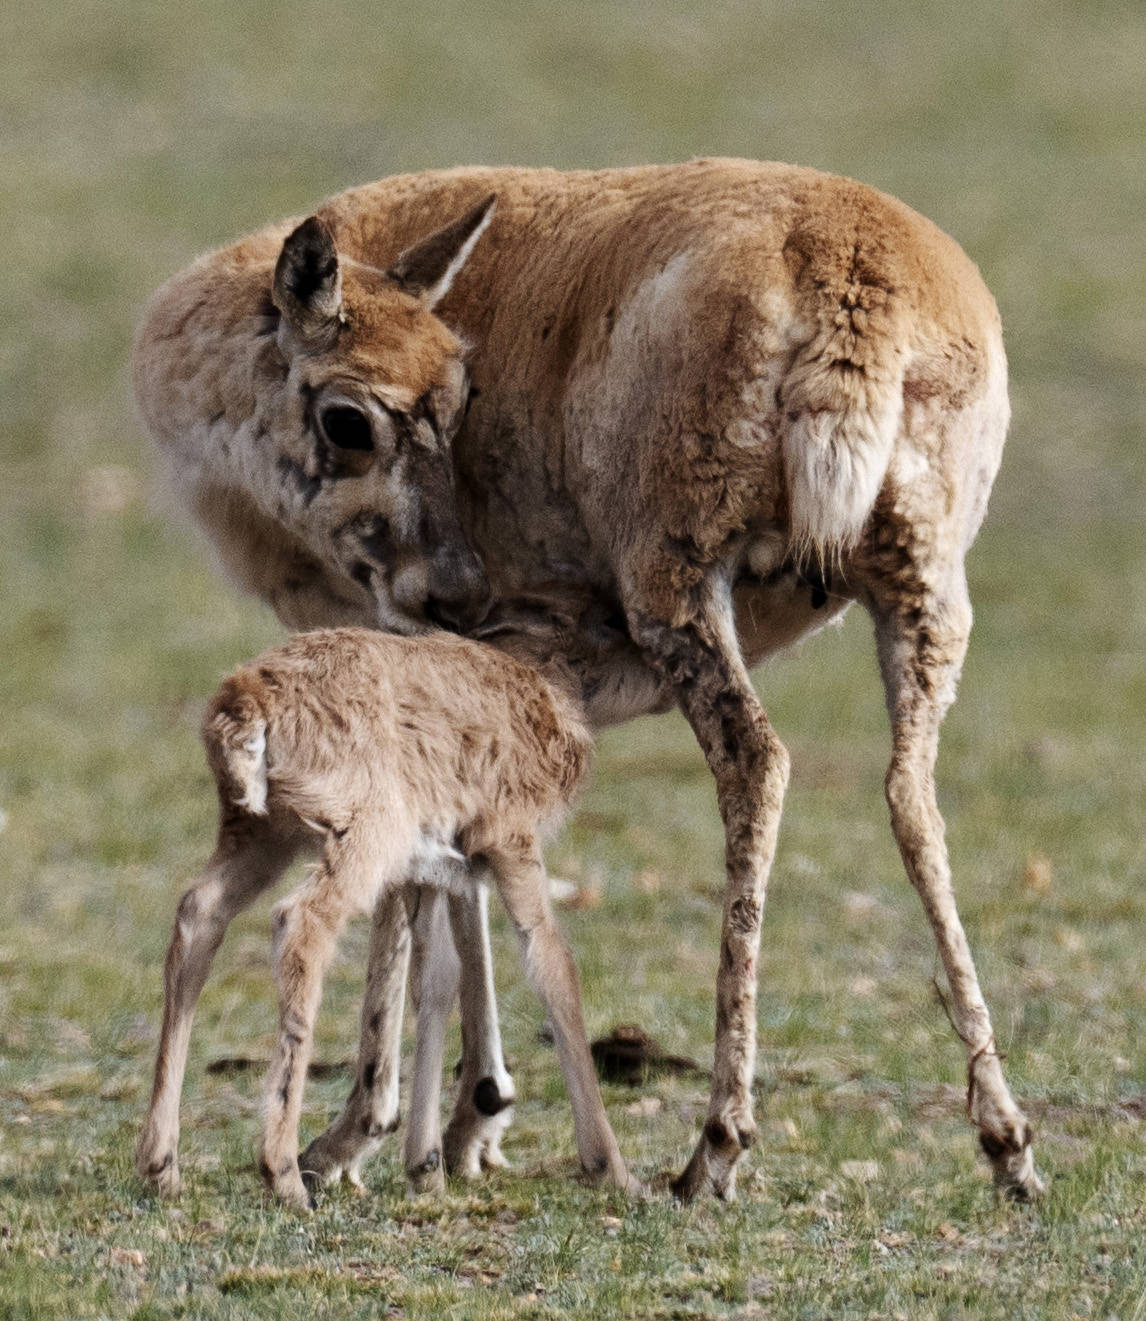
131, 137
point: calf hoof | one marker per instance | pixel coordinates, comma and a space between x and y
628, 1183
472, 1141
427, 1175
293, 1193
287, 1185
611, 1170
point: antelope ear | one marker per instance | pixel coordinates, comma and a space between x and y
429, 267
307, 287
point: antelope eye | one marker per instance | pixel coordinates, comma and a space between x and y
347, 428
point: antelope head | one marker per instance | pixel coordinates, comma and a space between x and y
379, 386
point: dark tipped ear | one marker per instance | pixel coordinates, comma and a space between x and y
307, 287
429, 267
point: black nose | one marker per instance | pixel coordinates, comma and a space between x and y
457, 615
446, 614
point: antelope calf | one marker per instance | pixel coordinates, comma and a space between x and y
391, 758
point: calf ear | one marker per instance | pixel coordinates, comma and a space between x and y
307, 287
429, 267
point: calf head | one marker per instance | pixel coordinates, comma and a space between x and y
379, 385
580, 642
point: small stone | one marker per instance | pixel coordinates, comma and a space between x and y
856, 903
1037, 874
862, 1171
108, 490
645, 1108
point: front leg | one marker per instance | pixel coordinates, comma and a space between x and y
434, 975
701, 658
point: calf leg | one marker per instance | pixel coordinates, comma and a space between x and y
250, 856
306, 927
922, 638
484, 1106
372, 1109
434, 988
700, 657
552, 973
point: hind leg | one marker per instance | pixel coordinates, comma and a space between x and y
371, 1110
306, 926
922, 635
484, 1106
700, 656
250, 856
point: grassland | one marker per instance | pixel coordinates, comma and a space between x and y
135, 135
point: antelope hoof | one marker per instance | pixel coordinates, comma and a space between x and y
161, 1173
1013, 1165
715, 1160
318, 1166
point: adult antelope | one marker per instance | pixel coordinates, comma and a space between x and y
724, 399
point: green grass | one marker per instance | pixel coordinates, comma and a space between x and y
136, 135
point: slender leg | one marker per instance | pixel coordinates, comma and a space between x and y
434, 987
250, 856
306, 926
701, 658
372, 1109
549, 965
922, 639
484, 1106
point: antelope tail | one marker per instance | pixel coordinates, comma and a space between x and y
235, 734
842, 396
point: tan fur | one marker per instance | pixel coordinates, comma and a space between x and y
385, 751
718, 401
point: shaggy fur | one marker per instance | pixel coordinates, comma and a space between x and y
722, 400
393, 757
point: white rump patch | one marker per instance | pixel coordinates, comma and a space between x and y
836, 461
248, 765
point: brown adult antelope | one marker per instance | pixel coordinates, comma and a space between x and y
388, 756
724, 398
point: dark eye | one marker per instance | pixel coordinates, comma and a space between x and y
347, 428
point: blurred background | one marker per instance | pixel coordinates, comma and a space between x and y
135, 135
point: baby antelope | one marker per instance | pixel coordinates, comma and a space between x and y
380, 754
